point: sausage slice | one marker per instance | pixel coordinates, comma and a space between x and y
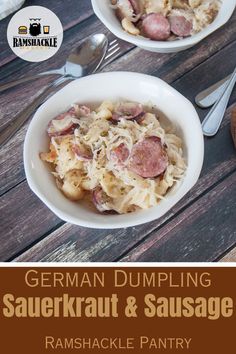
63, 124
180, 26
148, 158
124, 9
128, 110
82, 152
156, 26
120, 154
100, 199
137, 6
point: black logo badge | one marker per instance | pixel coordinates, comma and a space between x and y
35, 27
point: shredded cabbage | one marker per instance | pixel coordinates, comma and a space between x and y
126, 190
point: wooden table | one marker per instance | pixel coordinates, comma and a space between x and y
201, 227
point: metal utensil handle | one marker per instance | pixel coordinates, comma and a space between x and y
7, 85
208, 97
212, 122
22, 117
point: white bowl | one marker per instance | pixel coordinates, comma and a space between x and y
107, 15
95, 89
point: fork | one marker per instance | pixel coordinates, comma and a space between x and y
113, 52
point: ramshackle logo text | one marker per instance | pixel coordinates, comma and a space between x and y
29, 36
35, 33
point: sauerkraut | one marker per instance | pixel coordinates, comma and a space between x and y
165, 19
100, 157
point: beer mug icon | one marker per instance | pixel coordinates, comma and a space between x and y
46, 29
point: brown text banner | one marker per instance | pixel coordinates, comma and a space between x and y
110, 309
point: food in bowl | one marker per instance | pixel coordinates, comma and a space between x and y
133, 87
165, 20
117, 156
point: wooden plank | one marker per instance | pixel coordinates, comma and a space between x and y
15, 99
149, 60
109, 245
167, 66
172, 66
201, 233
229, 257
76, 11
23, 219
202, 77
218, 163
12, 170
72, 243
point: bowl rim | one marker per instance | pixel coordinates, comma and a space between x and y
145, 42
66, 216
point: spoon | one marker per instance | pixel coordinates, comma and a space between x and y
209, 96
84, 60
93, 45
212, 122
